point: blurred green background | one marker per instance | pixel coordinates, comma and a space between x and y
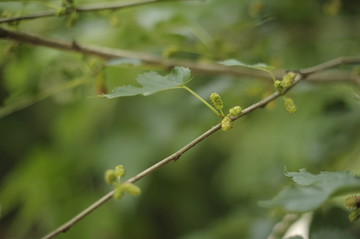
54, 151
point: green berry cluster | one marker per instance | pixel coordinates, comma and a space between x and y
114, 176
289, 105
353, 203
286, 82
217, 101
226, 123
281, 86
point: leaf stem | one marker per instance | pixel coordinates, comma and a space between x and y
202, 100
270, 73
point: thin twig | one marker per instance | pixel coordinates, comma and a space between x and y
331, 64
85, 8
110, 53
200, 68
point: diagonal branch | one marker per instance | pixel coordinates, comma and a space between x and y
175, 156
85, 8
201, 68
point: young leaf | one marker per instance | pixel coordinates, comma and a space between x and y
259, 66
311, 190
152, 82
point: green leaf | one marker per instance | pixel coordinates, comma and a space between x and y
152, 82
303, 177
234, 62
311, 190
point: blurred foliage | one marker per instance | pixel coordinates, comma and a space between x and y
58, 138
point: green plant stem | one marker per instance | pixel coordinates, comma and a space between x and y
270, 73
202, 100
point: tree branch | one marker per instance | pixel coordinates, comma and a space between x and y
200, 68
85, 8
110, 53
331, 64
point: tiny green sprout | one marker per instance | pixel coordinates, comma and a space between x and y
286, 82
278, 86
113, 177
289, 105
226, 124
235, 111
217, 101
352, 202
131, 188
118, 192
119, 171
288, 79
110, 176
121, 188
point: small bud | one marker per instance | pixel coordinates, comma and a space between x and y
110, 176
119, 191
226, 124
288, 79
120, 171
235, 111
278, 86
217, 101
73, 17
354, 215
352, 202
131, 189
289, 105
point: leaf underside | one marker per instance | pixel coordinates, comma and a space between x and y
311, 191
153, 82
234, 62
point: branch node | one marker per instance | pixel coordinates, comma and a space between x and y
176, 157
75, 45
